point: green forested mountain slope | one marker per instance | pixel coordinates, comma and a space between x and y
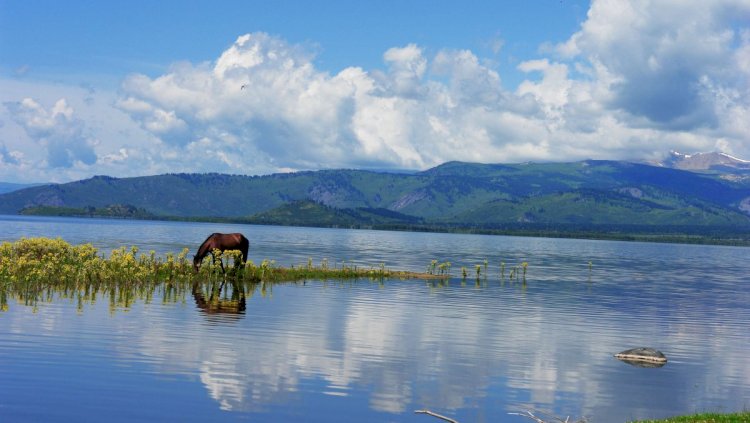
581, 193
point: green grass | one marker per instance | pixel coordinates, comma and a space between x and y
742, 417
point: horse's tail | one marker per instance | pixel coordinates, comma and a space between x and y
244, 247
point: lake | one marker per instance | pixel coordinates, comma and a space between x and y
472, 349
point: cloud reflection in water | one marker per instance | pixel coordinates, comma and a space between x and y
407, 346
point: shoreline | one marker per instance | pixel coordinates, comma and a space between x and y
694, 235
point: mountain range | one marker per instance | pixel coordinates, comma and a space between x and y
587, 194
10, 187
713, 161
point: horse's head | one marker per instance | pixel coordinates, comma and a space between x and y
197, 263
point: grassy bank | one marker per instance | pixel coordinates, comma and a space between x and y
37, 269
743, 417
44, 260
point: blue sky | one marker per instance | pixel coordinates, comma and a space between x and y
112, 39
141, 87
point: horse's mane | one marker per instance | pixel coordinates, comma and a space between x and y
202, 249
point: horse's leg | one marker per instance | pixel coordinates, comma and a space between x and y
243, 259
215, 291
221, 262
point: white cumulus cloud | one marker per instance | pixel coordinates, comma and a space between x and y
637, 79
669, 57
56, 130
633, 83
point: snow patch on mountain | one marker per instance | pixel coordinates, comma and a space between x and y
705, 161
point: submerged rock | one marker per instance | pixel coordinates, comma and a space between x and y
644, 364
642, 357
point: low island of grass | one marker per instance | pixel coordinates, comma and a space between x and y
33, 269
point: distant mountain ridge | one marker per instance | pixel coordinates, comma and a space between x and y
10, 187
705, 161
455, 194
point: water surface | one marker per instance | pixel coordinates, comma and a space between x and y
378, 350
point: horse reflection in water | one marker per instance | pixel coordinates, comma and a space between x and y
221, 242
217, 298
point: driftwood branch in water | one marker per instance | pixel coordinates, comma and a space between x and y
428, 412
529, 415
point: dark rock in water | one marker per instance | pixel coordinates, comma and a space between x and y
644, 364
642, 357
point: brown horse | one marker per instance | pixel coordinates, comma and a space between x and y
222, 242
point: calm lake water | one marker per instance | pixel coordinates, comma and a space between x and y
370, 351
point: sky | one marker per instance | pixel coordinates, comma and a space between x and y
256, 87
